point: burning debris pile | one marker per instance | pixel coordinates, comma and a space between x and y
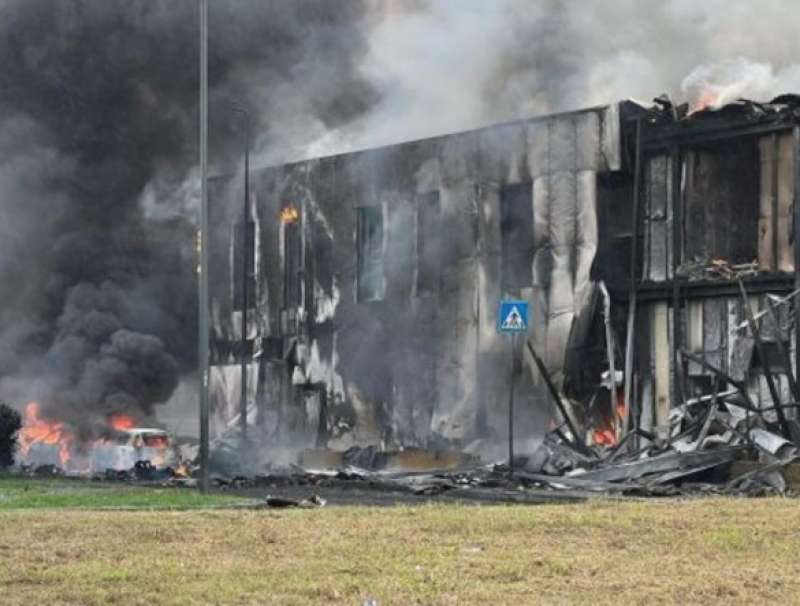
709, 437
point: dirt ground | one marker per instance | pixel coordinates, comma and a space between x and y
713, 550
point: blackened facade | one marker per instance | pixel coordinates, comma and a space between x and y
377, 274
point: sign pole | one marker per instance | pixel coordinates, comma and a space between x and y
511, 405
512, 318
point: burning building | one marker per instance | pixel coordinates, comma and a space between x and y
358, 295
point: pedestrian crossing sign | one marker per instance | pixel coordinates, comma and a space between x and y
512, 316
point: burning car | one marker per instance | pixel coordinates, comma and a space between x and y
132, 445
47, 442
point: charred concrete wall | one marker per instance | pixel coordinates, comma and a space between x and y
378, 274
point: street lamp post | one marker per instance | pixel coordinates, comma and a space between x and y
202, 246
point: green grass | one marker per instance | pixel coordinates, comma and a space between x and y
701, 551
62, 493
72, 541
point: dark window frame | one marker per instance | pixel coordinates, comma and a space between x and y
370, 246
516, 235
238, 270
428, 244
292, 265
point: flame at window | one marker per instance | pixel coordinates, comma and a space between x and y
289, 214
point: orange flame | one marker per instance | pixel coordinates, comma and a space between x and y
604, 436
120, 421
182, 470
36, 429
707, 98
289, 214
605, 433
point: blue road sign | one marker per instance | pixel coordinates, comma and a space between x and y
512, 316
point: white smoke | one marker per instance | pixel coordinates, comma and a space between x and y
718, 84
441, 66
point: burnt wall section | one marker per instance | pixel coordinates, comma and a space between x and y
721, 198
776, 193
658, 218
615, 231
566, 155
714, 330
732, 219
229, 220
392, 338
736, 206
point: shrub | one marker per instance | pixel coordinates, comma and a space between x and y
10, 424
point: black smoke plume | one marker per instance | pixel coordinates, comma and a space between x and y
98, 139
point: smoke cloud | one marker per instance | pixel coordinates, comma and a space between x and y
98, 185
98, 137
440, 66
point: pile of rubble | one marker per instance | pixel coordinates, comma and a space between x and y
721, 442
711, 439
716, 269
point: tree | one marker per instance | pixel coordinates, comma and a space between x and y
10, 424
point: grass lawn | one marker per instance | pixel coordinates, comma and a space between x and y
698, 551
32, 493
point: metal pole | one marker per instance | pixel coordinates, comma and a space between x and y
202, 244
511, 405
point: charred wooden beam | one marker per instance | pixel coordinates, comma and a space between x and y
676, 161
796, 245
619, 424
664, 138
739, 385
711, 413
577, 442
634, 279
662, 291
774, 202
786, 359
773, 390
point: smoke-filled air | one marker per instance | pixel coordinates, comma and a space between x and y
98, 138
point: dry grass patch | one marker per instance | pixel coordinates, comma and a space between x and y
711, 550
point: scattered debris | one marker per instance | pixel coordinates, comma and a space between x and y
719, 442
716, 269
47, 470
314, 501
